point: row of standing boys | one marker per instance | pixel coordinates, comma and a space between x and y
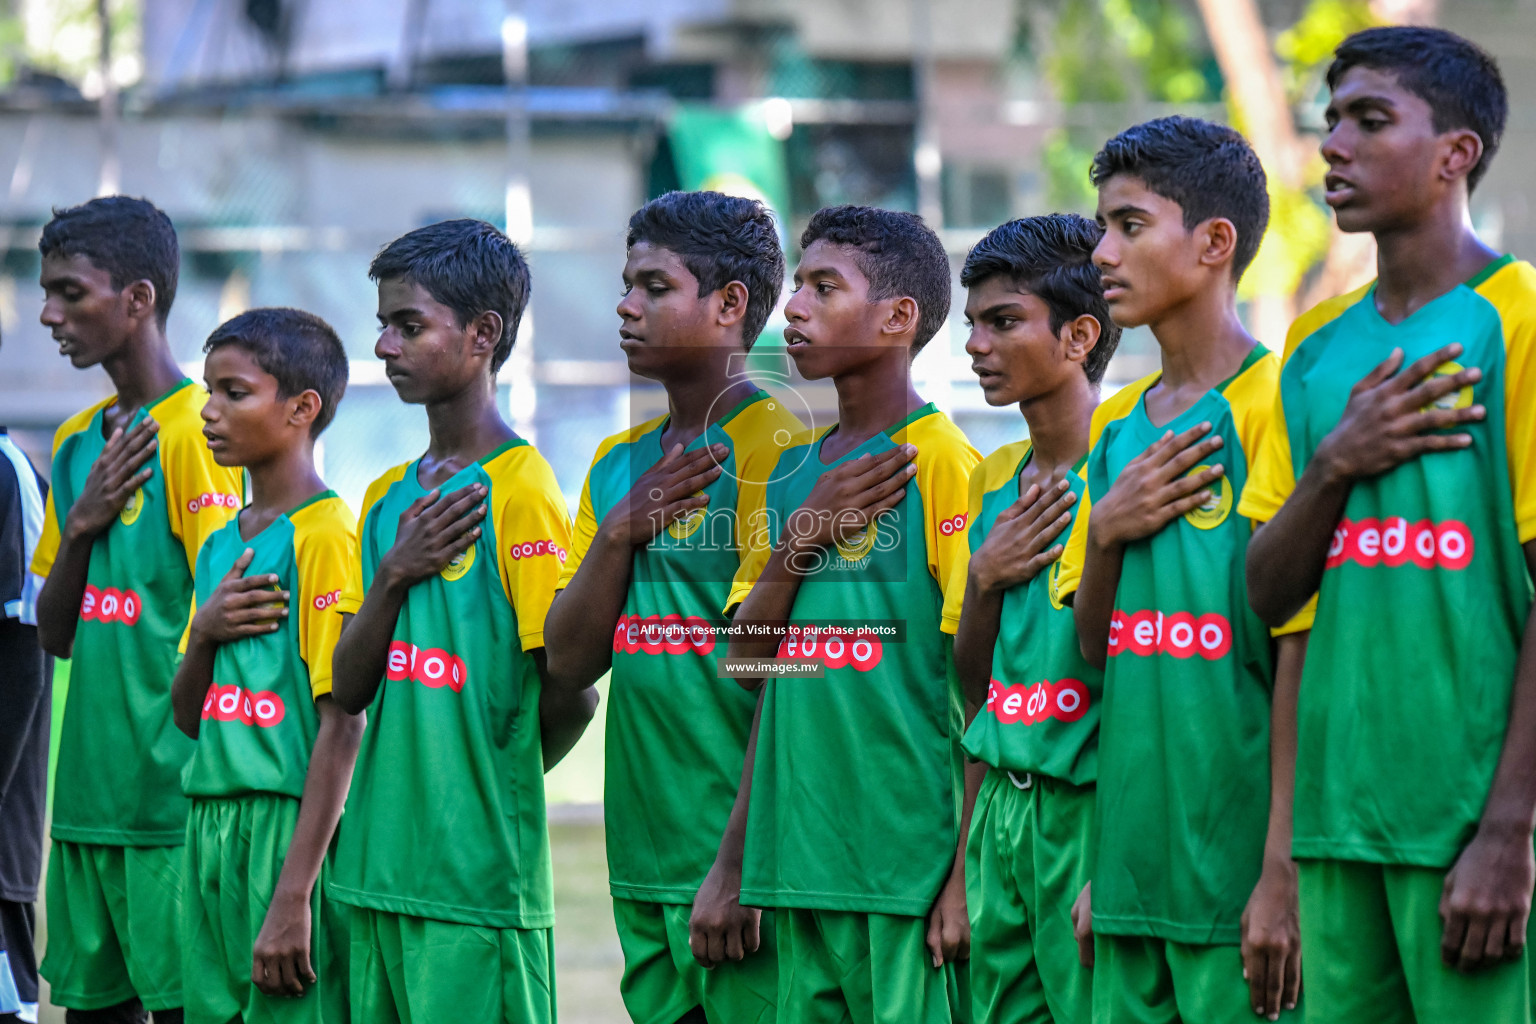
1110, 725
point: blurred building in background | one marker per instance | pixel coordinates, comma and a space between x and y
290, 139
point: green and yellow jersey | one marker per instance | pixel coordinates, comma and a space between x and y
676, 732
445, 818
1042, 710
1405, 696
259, 721
1183, 794
866, 761
138, 588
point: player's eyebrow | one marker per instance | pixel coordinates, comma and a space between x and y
999, 309
1361, 104
404, 313
821, 273
1123, 211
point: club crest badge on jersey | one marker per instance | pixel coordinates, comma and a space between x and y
130, 513
1053, 585
685, 526
460, 565
857, 546
1459, 399
1214, 512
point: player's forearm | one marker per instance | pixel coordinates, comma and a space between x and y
976, 639
578, 632
362, 653
325, 794
1511, 806
58, 603
1286, 555
1290, 655
975, 772
189, 688
1093, 606
733, 841
563, 714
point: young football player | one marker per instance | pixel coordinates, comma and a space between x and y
1399, 486
274, 751
1193, 889
662, 521
135, 493
849, 811
444, 858
1041, 338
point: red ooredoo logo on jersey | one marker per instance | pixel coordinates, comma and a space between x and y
108, 604
213, 500
534, 548
1395, 541
834, 646
236, 704
953, 525
663, 634
431, 667
1066, 701
1181, 634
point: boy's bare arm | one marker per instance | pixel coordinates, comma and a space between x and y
1486, 902
433, 531
949, 926
578, 631
114, 477
281, 962
564, 714
719, 927
1390, 419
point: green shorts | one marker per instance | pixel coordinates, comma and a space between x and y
1026, 860
235, 850
662, 981
841, 965
1138, 980
112, 925
1370, 936
416, 970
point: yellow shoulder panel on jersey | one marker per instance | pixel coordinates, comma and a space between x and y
79, 421
529, 513
1119, 405
377, 489
1512, 291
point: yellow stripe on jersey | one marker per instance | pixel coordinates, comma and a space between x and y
1512, 291
200, 495
994, 472
330, 583
584, 532
759, 434
48, 542
380, 487
1271, 468
945, 460
1116, 407
760, 538
528, 511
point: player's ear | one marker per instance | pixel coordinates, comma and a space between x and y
1463, 148
902, 317
485, 333
304, 407
1217, 238
1079, 336
733, 304
139, 297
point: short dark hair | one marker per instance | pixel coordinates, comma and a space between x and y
131, 239
468, 266
720, 239
897, 252
1207, 168
298, 348
1457, 78
1051, 257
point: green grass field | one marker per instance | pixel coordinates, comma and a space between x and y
588, 961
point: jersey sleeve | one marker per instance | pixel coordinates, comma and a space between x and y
200, 495
943, 479
755, 538
53, 517
1520, 405
583, 532
533, 531
329, 587
1075, 551
1267, 441
954, 594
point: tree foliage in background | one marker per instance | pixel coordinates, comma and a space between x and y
62, 37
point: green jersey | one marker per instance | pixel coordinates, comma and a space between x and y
138, 588
1042, 710
445, 818
1424, 598
259, 719
1183, 791
676, 732
855, 798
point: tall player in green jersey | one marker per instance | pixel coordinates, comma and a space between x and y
135, 492
1041, 338
444, 856
1193, 888
849, 809
663, 518
274, 751
1407, 502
